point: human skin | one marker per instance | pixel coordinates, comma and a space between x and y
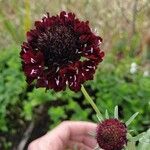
67, 136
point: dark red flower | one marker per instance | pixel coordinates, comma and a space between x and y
61, 51
111, 134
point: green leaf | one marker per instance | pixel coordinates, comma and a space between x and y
136, 138
129, 136
131, 118
146, 137
144, 141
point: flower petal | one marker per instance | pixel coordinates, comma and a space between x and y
32, 71
88, 70
56, 82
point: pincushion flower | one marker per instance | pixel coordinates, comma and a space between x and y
112, 133
61, 51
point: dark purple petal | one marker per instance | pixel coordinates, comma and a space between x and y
32, 71
88, 70
56, 82
72, 76
42, 82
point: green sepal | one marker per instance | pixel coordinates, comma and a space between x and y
106, 114
116, 112
131, 118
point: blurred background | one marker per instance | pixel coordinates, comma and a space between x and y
122, 79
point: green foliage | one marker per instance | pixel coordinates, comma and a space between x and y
11, 29
12, 83
144, 141
115, 85
35, 98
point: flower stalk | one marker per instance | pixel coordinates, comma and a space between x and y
89, 99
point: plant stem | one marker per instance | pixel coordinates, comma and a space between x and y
89, 99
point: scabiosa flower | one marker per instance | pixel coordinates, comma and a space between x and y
61, 51
111, 134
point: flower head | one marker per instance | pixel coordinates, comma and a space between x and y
61, 51
111, 134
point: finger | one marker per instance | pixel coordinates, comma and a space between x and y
38, 145
78, 146
69, 129
81, 128
58, 138
87, 140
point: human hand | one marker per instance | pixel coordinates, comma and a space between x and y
67, 135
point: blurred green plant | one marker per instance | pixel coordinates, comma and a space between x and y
115, 85
143, 144
27, 17
12, 84
10, 27
144, 141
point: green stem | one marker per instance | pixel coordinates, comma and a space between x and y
89, 99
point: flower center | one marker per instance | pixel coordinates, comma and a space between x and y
60, 45
110, 134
